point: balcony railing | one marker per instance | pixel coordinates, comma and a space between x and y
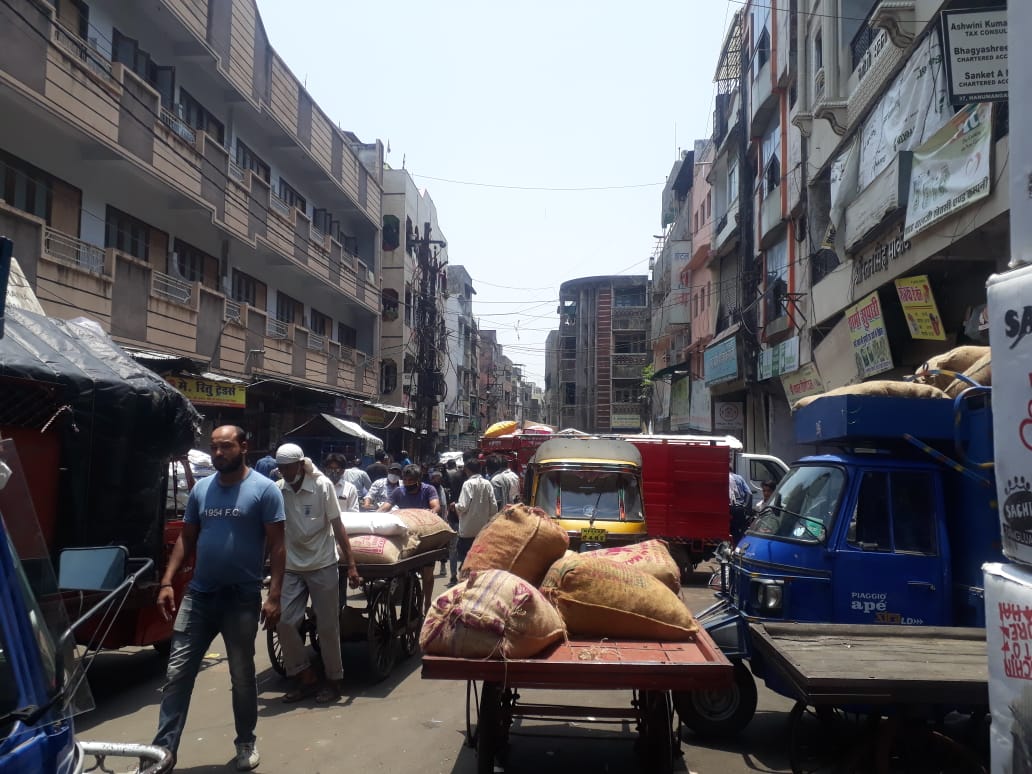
316, 234
75, 46
346, 353
863, 39
178, 126
818, 86
316, 342
276, 329
170, 288
235, 172
68, 249
231, 311
279, 206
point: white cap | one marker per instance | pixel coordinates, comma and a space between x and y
289, 452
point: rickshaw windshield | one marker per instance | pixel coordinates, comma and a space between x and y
803, 506
586, 494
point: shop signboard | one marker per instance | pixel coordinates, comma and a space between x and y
208, 392
976, 54
920, 309
701, 416
720, 361
780, 359
625, 421
867, 332
802, 383
952, 169
729, 418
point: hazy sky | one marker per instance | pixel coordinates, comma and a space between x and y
560, 94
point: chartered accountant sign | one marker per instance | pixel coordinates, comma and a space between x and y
721, 362
976, 54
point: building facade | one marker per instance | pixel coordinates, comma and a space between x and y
604, 325
176, 183
462, 368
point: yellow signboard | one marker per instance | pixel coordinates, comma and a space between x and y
915, 295
206, 392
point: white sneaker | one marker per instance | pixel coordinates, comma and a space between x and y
247, 756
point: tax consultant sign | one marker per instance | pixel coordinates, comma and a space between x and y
976, 54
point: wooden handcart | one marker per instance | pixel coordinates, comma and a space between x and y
651, 670
390, 622
873, 697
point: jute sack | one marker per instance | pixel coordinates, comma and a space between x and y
958, 359
426, 531
649, 556
519, 539
883, 387
376, 549
980, 372
492, 614
599, 598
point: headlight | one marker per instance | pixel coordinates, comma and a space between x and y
767, 596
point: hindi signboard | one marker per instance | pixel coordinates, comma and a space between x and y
799, 384
922, 313
207, 392
976, 54
867, 332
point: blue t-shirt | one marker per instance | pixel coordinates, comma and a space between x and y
231, 544
420, 499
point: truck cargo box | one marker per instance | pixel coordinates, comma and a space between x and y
838, 419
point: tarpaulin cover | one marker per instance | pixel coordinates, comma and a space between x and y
123, 424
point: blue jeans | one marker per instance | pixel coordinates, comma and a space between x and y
232, 612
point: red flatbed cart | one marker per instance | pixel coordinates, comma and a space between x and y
651, 670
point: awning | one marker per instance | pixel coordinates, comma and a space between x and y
326, 389
351, 428
164, 362
387, 407
671, 370
327, 425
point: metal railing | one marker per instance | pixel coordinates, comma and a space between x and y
235, 171
276, 329
279, 206
863, 39
231, 311
68, 249
316, 342
81, 51
178, 126
170, 288
316, 234
818, 86
347, 354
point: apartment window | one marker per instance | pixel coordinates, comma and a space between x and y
248, 290
318, 323
709, 294
388, 377
629, 342
695, 304
190, 261
732, 182
126, 234
199, 117
408, 307
291, 197
818, 51
75, 16
776, 261
771, 163
625, 391
570, 394
288, 310
762, 51
389, 304
709, 207
127, 51
25, 187
346, 335
248, 159
632, 296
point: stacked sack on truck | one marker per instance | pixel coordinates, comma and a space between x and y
386, 538
497, 611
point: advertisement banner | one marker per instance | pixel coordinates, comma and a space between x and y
806, 381
720, 361
976, 54
922, 313
912, 109
729, 419
952, 169
867, 332
205, 392
780, 359
701, 417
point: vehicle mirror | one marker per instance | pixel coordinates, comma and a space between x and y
92, 569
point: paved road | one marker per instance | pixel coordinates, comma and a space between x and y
403, 724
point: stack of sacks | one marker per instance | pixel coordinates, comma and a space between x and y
884, 387
385, 538
598, 597
377, 549
426, 531
374, 523
491, 614
520, 540
651, 557
973, 362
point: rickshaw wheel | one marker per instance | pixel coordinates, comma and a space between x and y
411, 619
381, 633
472, 713
656, 731
825, 739
490, 730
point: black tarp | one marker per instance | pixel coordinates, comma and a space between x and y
122, 425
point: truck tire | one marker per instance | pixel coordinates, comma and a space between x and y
719, 713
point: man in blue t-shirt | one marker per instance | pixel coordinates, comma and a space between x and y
229, 520
413, 493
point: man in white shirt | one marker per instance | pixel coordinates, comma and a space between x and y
347, 493
314, 534
508, 475
475, 507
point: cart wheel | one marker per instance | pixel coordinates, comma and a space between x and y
307, 629
826, 739
490, 732
656, 729
381, 633
472, 713
411, 621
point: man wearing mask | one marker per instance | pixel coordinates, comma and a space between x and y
315, 538
347, 494
358, 477
382, 488
413, 493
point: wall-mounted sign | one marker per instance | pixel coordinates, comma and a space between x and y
879, 256
729, 419
923, 320
867, 332
628, 421
207, 392
720, 361
701, 416
780, 359
976, 54
952, 169
805, 381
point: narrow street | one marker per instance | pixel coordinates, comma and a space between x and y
403, 724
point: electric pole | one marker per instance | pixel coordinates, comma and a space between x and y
430, 384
